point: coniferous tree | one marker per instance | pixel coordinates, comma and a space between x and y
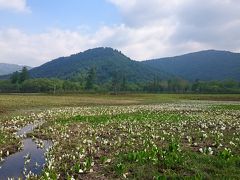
15, 77
90, 79
115, 82
24, 75
124, 83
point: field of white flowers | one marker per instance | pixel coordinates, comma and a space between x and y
183, 139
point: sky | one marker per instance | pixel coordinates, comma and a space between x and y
33, 32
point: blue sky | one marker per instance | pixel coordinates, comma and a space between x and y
33, 32
67, 14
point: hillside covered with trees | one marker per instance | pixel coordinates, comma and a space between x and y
207, 65
108, 70
106, 61
21, 82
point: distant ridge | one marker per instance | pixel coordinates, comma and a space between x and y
204, 65
6, 68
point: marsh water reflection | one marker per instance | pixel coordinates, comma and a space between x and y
30, 159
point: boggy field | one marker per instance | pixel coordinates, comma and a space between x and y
133, 137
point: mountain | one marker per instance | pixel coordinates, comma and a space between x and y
204, 65
9, 68
107, 61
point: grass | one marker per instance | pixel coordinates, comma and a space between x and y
8, 144
29, 101
2, 137
136, 136
152, 141
228, 107
139, 116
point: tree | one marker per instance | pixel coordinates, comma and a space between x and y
24, 75
71, 86
196, 86
90, 79
15, 77
115, 82
124, 83
8, 86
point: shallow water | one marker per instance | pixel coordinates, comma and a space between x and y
13, 166
29, 128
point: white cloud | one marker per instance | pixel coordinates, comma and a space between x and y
15, 5
194, 24
150, 29
142, 12
35, 49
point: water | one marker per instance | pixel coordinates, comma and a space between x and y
29, 128
13, 166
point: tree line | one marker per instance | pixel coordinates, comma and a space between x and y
21, 82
